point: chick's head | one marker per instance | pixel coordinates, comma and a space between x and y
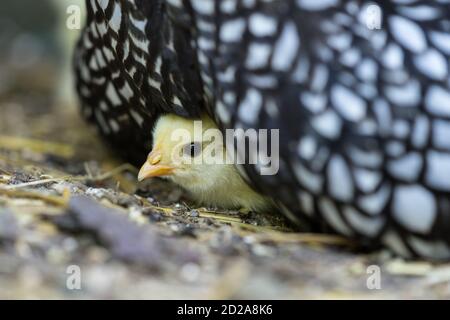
190, 153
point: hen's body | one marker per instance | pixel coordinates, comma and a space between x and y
364, 115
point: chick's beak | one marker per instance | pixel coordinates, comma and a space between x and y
153, 168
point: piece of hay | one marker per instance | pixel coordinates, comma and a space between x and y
19, 143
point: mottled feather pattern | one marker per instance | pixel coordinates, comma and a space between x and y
364, 115
128, 72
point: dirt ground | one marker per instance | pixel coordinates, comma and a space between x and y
66, 201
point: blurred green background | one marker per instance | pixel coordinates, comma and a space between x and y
35, 61
34, 36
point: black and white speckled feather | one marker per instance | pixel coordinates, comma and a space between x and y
364, 115
131, 65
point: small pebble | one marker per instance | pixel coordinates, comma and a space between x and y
195, 213
136, 215
190, 272
262, 251
249, 240
151, 200
155, 217
96, 192
187, 230
69, 244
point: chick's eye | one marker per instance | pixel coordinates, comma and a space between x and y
193, 149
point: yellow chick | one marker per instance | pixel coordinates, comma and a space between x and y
197, 162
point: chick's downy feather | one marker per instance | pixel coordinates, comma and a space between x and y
204, 173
